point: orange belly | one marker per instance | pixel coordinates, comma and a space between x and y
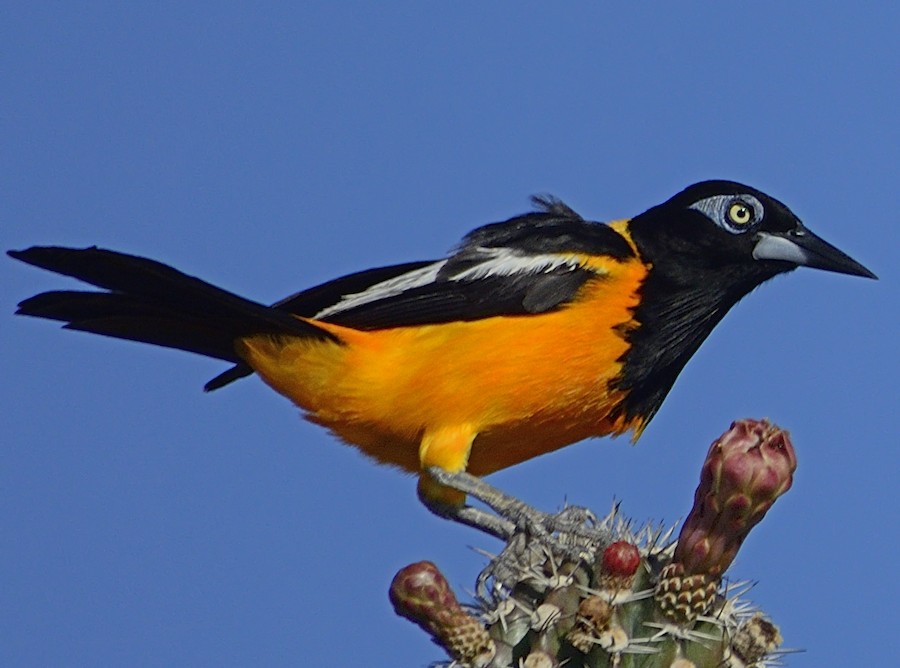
519, 386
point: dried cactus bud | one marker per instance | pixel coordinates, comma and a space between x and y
422, 594
745, 471
539, 659
591, 621
754, 639
682, 597
618, 566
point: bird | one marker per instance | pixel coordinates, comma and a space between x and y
531, 334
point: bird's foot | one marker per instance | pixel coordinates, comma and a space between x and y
569, 530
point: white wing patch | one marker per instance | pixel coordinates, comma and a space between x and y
496, 262
389, 288
507, 262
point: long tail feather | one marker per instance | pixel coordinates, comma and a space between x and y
151, 302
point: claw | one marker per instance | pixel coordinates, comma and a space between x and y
513, 516
517, 515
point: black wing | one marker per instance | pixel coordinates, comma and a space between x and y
528, 264
525, 265
308, 303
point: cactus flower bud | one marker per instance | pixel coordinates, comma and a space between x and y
618, 566
621, 559
745, 471
421, 593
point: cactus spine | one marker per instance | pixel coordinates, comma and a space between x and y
600, 593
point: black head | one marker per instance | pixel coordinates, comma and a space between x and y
707, 247
733, 227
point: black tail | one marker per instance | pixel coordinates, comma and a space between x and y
150, 302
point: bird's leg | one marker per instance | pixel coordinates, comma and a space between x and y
512, 514
447, 448
449, 503
573, 527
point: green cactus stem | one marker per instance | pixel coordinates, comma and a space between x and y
598, 593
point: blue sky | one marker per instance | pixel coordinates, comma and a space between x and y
268, 148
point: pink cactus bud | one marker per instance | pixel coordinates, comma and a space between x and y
421, 593
745, 471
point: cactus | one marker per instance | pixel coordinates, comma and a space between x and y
596, 592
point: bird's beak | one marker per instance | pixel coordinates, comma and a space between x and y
801, 247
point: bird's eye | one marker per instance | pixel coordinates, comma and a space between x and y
740, 213
735, 213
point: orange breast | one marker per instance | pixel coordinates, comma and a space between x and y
524, 384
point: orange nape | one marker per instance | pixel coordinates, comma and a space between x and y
476, 395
